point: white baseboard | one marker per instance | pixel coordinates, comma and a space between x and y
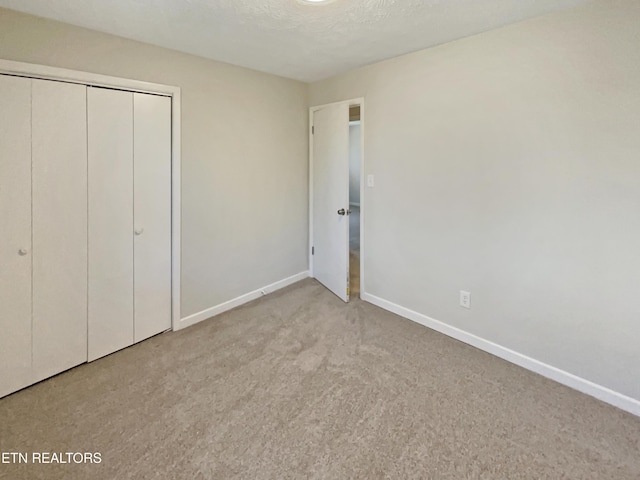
607, 395
241, 300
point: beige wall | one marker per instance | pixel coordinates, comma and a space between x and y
244, 153
508, 164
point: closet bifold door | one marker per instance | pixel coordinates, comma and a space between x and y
152, 214
59, 183
110, 154
15, 233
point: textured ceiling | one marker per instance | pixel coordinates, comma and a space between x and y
286, 37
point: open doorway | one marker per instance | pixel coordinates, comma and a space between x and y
336, 197
355, 160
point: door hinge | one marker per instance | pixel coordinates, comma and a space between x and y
313, 250
313, 129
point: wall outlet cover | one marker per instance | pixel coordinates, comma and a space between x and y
465, 299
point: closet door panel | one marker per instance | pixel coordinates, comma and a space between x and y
152, 214
110, 144
59, 159
15, 233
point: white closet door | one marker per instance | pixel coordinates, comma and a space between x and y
15, 233
59, 160
110, 143
152, 214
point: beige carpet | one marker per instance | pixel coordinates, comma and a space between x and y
299, 385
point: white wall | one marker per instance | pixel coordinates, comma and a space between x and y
244, 153
508, 164
355, 143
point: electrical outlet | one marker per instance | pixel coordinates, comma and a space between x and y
465, 299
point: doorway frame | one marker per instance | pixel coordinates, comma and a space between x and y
351, 102
43, 72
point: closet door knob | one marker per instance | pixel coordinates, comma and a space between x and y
22, 252
138, 231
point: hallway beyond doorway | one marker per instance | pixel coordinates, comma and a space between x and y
354, 252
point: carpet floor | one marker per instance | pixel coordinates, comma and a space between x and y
299, 385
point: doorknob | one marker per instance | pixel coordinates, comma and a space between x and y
22, 252
138, 231
341, 211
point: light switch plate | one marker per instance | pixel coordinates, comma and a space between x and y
370, 181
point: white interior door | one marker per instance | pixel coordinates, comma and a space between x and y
330, 201
59, 175
110, 154
15, 233
152, 214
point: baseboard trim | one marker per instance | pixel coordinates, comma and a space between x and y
241, 300
570, 380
